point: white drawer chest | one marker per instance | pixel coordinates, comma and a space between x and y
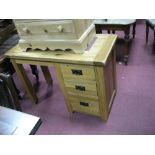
66, 34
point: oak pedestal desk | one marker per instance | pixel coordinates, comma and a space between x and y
88, 80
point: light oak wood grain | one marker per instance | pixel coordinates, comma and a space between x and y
85, 105
95, 70
86, 58
27, 84
62, 85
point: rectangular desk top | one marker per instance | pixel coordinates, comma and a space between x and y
96, 55
13, 122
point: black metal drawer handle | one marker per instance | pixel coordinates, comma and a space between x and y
84, 104
76, 72
81, 88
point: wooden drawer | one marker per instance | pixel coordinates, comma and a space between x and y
56, 28
85, 106
78, 72
81, 88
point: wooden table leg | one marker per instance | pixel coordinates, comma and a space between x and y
98, 29
14, 93
147, 31
154, 42
126, 49
134, 30
35, 71
22, 75
108, 31
47, 74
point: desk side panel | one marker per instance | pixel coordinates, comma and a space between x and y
110, 79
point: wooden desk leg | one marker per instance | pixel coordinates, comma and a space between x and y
47, 74
126, 49
22, 74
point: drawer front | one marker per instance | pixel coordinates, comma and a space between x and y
55, 27
78, 72
28, 29
63, 26
81, 88
85, 106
